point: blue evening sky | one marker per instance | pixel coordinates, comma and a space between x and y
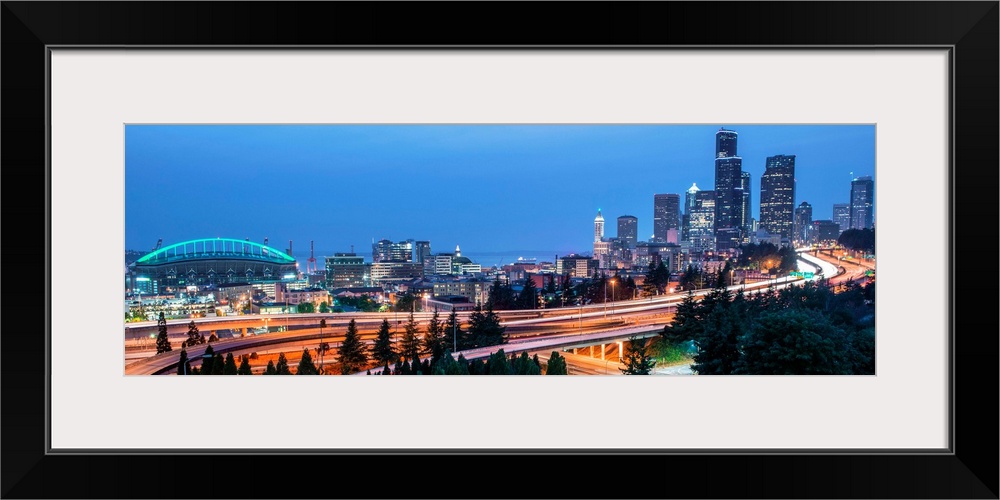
499, 191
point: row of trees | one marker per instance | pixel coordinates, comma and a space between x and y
799, 330
497, 364
214, 364
766, 256
858, 239
437, 338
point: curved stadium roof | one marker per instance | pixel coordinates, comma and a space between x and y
215, 248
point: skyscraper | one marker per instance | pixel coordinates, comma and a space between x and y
628, 230
803, 222
598, 226
842, 215
862, 203
702, 221
777, 195
666, 215
728, 190
746, 215
689, 204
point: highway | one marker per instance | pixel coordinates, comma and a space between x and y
536, 330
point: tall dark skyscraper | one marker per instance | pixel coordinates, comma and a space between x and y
728, 191
725, 143
842, 215
803, 222
666, 215
777, 195
862, 203
628, 230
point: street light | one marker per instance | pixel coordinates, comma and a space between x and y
613, 283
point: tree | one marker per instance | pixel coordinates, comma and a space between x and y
557, 365
501, 296
305, 307
230, 365
550, 287
433, 342
270, 370
453, 332
794, 342
162, 340
244, 368
194, 336
208, 359
184, 365
528, 298
323, 346
213, 338
382, 351
282, 367
410, 345
406, 302
352, 351
485, 329
218, 365
498, 364
524, 365
638, 360
306, 366
324, 307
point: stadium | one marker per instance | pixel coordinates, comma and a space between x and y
208, 262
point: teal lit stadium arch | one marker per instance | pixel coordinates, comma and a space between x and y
208, 262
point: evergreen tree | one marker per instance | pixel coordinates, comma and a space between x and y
498, 364
282, 367
795, 342
352, 352
566, 290
557, 365
550, 287
661, 277
453, 333
306, 366
686, 323
382, 351
184, 365
213, 338
718, 341
726, 274
528, 298
501, 296
218, 365
484, 329
244, 368
433, 342
638, 360
270, 370
230, 365
410, 345
524, 365
162, 340
208, 359
194, 336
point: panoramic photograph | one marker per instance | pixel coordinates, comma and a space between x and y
481, 249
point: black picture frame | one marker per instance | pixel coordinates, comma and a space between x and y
969, 28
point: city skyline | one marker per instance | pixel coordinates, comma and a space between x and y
493, 189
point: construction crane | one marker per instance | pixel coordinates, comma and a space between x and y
311, 263
159, 244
